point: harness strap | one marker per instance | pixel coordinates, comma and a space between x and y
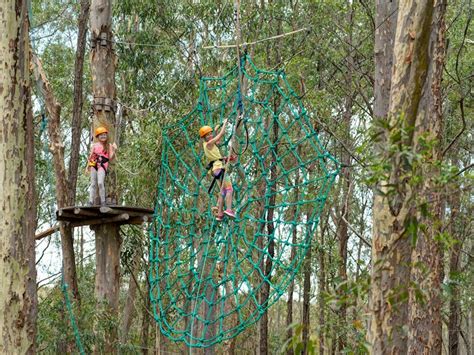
219, 176
211, 163
101, 160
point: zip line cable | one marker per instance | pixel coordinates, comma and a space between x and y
238, 44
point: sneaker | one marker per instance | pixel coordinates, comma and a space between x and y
219, 217
229, 213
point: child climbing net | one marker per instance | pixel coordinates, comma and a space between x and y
217, 169
211, 279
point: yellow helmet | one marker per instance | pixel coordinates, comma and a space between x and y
204, 130
100, 130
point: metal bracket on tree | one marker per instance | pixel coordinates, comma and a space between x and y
102, 39
101, 103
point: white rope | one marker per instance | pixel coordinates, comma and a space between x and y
258, 41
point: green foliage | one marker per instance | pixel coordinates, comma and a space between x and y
159, 46
295, 343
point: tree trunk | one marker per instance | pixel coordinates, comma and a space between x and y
321, 290
306, 299
454, 323
291, 288
267, 263
129, 308
389, 255
17, 221
270, 188
425, 323
107, 280
407, 209
145, 328
342, 224
107, 236
57, 150
31, 215
76, 124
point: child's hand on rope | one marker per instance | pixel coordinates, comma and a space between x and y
230, 159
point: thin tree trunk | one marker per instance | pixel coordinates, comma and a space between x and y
30, 215
145, 329
57, 150
322, 289
18, 282
291, 288
342, 224
76, 124
267, 262
129, 308
454, 323
306, 300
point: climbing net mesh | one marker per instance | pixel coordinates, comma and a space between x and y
211, 280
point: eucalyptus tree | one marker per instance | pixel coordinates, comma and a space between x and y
18, 300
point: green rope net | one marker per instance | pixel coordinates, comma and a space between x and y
211, 280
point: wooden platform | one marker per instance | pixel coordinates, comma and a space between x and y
92, 215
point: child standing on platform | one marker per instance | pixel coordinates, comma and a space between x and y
102, 152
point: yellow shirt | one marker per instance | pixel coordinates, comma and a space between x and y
213, 155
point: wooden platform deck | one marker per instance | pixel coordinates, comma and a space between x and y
93, 215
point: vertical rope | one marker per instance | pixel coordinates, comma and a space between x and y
241, 108
77, 334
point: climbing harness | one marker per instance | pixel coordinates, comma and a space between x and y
98, 160
219, 176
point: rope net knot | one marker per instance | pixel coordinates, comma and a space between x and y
211, 280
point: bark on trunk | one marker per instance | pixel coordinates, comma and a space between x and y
322, 289
455, 230
145, 328
57, 150
107, 280
76, 124
18, 281
107, 236
454, 323
31, 216
389, 254
271, 185
129, 309
342, 224
268, 264
291, 288
425, 323
407, 211
306, 299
